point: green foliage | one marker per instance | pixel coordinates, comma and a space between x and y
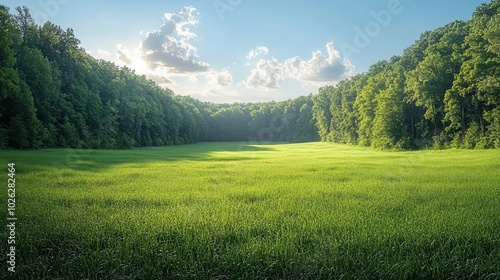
55, 95
322, 114
81, 102
389, 129
230, 124
473, 101
443, 92
366, 102
18, 122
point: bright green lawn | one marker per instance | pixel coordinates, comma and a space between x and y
239, 210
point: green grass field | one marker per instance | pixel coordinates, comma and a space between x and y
254, 211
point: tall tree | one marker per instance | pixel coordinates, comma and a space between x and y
27, 27
322, 114
473, 99
366, 101
19, 127
390, 126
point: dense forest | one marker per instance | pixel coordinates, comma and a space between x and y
443, 91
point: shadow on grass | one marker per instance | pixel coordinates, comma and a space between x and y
99, 160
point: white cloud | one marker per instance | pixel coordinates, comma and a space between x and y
321, 69
170, 46
267, 73
214, 79
168, 57
257, 52
221, 78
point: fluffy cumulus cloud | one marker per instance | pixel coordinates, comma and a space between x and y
223, 78
257, 52
217, 79
168, 56
168, 50
267, 73
170, 47
321, 69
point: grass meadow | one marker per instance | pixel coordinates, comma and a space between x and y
254, 211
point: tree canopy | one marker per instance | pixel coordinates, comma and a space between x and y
444, 91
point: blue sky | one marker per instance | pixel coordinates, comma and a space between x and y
243, 50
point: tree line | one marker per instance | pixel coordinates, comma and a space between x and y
442, 92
